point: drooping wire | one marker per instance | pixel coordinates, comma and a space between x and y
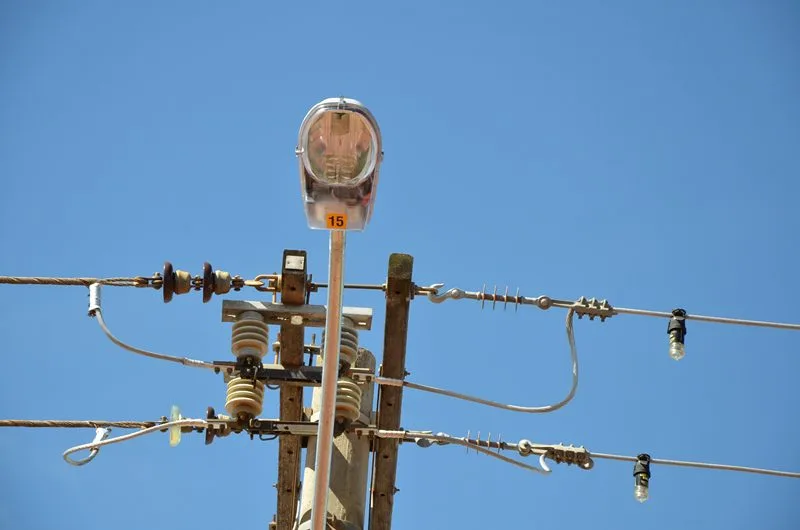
516, 408
185, 361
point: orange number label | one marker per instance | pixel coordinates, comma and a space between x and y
336, 221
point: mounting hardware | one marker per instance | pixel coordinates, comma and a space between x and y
305, 315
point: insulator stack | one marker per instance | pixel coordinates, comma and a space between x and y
348, 401
250, 338
244, 398
174, 281
348, 344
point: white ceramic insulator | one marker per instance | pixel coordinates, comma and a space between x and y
250, 335
244, 398
348, 399
348, 345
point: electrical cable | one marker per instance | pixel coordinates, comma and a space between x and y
161, 356
516, 408
85, 282
701, 465
545, 302
716, 320
77, 424
444, 438
96, 445
542, 451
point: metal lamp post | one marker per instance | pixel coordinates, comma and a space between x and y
339, 151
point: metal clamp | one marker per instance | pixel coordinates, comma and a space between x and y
594, 308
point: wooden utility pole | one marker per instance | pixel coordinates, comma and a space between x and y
294, 282
399, 293
350, 465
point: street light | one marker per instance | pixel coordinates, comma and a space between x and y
339, 150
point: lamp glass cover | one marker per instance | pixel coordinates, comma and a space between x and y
340, 147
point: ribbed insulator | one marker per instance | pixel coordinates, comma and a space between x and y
348, 400
245, 398
348, 345
250, 335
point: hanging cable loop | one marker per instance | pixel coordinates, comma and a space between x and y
101, 439
101, 433
489, 403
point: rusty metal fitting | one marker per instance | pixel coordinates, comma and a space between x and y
270, 283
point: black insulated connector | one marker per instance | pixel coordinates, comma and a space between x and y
641, 470
677, 325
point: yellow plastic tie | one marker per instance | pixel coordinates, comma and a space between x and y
175, 432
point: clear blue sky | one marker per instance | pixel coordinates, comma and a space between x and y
643, 152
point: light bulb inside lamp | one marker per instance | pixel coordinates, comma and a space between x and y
677, 349
340, 147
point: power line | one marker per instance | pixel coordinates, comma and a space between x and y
77, 424
293, 313
523, 447
84, 282
583, 306
432, 291
701, 465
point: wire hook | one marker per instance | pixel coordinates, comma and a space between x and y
436, 298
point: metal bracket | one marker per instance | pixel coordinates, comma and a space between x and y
299, 428
304, 315
251, 368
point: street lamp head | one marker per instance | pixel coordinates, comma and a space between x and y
339, 150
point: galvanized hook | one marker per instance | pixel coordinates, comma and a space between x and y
437, 298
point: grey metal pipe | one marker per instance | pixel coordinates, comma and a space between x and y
330, 373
